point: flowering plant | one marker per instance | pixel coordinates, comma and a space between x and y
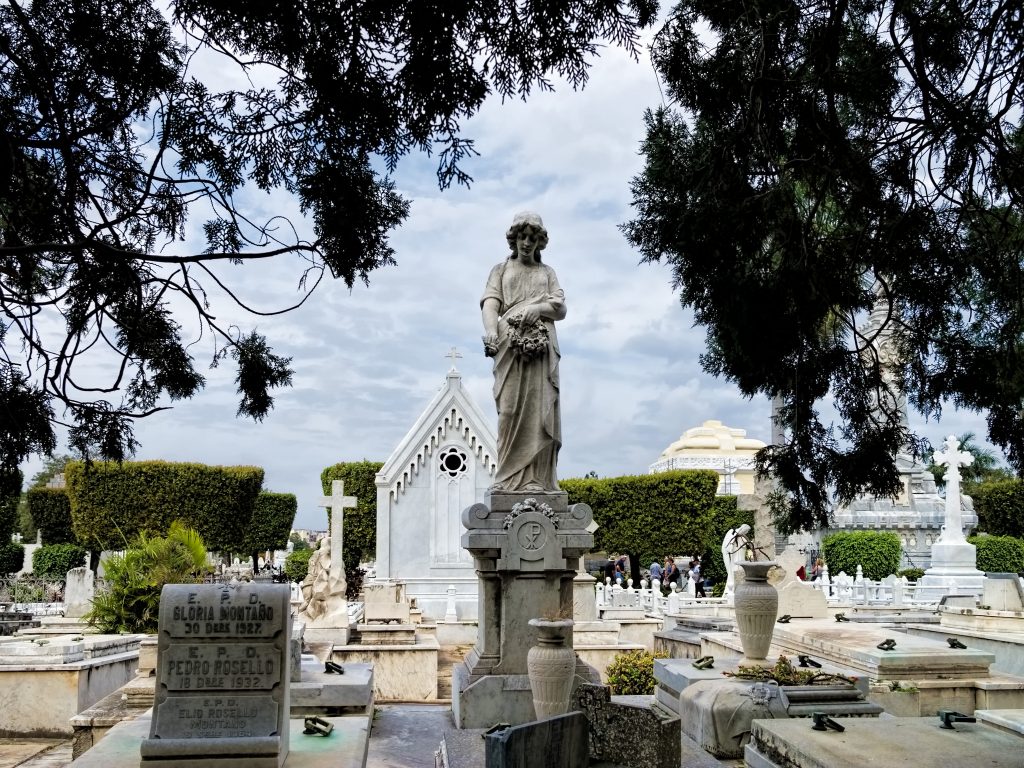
527, 340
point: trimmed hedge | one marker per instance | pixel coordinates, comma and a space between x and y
878, 552
50, 509
649, 516
1000, 507
999, 554
111, 504
12, 558
271, 523
53, 561
360, 540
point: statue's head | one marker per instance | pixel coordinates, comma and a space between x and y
519, 223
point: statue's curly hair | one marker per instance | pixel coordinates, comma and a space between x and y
520, 222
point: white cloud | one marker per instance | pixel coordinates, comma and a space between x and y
368, 360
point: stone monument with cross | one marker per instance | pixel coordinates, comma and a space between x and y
525, 538
917, 513
324, 608
526, 548
954, 560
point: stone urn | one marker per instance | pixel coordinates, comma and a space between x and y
756, 604
551, 665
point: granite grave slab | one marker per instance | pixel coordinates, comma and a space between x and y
222, 688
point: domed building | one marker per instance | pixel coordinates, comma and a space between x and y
715, 446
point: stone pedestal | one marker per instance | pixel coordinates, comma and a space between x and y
584, 599
525, 548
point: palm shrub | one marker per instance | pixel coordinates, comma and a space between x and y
632, 672
136, 578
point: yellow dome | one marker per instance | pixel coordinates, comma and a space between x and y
715, 438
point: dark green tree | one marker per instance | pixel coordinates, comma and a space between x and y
12, 555
52, 466
270, 524
818, 157
360, 524
117, 144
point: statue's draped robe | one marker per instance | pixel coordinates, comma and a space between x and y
526, 391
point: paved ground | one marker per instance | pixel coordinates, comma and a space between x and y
34, 753
403, 736
407, 735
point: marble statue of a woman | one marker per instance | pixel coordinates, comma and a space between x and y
521, 302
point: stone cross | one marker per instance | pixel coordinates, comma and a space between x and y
953, 458
337, 502
453, 355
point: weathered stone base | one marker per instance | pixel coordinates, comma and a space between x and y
628, 730
491, 699
494, 699
318, 635
400, 672
899, 741
322, 693
40, 699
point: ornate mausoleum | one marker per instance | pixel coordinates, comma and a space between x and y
715, 446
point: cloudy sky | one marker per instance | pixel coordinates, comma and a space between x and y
368, 361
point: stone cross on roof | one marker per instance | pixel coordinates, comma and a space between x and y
453, 354
953, 458
337, 502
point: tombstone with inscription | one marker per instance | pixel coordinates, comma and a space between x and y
223, 676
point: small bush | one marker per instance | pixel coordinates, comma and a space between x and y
12, 558
912, 574
632, 672
296, 565
877, 552
53, 561
999, 554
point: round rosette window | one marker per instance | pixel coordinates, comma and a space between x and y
527, 340
452, 462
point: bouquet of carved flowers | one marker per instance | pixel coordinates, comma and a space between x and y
527, 340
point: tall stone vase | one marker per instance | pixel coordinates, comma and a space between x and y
551, 665
756, 604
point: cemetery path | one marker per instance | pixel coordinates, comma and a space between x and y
35, 753
407, 735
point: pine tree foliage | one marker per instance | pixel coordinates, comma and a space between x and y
814, 158
127, 127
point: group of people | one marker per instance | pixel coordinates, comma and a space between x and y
670, 573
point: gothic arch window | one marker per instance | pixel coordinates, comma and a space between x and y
452, 461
